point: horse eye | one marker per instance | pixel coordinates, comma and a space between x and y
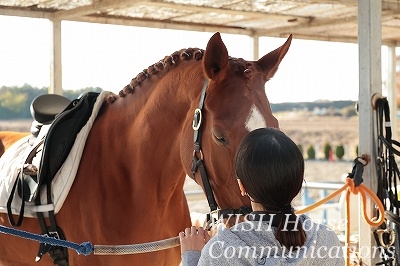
221, 139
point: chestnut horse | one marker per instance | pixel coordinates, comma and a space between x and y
129, 185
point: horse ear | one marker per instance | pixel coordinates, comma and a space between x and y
216, 56
269, 63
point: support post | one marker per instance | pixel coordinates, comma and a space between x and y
370, 82
55, 59
256, 46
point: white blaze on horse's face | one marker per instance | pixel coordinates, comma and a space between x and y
255, 119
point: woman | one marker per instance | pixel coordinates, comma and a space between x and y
270, 171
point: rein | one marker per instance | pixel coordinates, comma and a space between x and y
198, 165
86, 248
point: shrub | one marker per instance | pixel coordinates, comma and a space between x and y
311, 153
340, 152
349, 111
327, 149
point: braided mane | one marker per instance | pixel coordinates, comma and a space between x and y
162, 65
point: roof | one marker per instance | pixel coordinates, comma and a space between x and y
331, 20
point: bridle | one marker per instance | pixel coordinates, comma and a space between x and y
198, 165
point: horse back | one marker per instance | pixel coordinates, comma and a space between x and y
7, 138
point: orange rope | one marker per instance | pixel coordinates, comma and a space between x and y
324, 200
351, 188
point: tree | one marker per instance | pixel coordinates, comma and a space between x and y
15, 101
327, 150
11, 102
311, 152
339, 152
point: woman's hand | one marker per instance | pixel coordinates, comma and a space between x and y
193, 239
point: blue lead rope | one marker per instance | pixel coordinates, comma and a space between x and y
86, 248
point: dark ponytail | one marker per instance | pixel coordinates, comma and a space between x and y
271, 168
290, 232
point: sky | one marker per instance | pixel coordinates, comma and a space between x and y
109, 56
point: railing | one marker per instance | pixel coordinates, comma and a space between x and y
193, 195
323, 189
310, 193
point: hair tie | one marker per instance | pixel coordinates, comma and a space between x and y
286, 209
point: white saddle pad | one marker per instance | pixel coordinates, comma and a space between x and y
16, 155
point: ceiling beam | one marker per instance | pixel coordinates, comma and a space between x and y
204, 9
312, 23
313, 37
99, 12
316, 22
215, 28
24, 13
391, 5
109, 5
164, 25
328, 2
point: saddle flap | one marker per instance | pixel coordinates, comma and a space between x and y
56, 146
62, 134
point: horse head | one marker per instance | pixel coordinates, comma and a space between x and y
235, 104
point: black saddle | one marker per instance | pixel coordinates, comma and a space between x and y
57, 144
67, 118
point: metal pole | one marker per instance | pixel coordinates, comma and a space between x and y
370, 82
256, 46
55, 61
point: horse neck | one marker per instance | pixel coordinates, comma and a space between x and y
152, 118
168, 94
178, 91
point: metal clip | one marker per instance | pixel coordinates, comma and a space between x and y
201, 154
43, 247
212, 219
197, 119
392, 237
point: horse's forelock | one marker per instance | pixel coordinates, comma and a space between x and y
239, 65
